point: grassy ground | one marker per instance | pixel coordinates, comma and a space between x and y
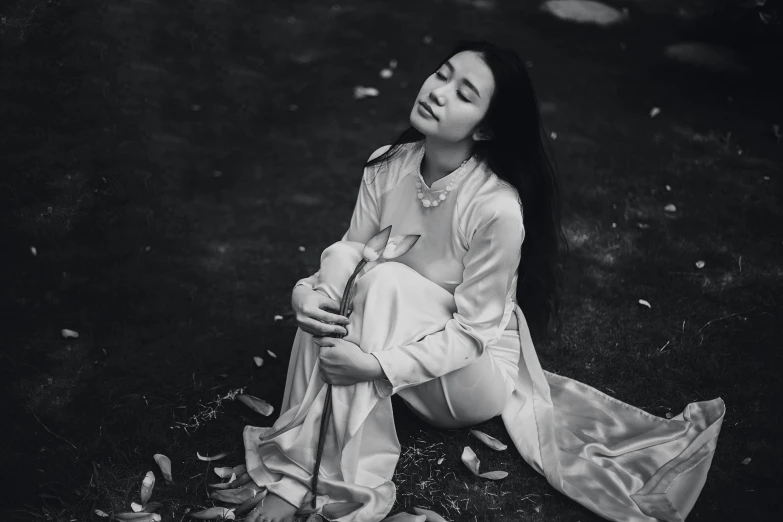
168, 159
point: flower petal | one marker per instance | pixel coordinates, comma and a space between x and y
399, 246
223, 472
207, 459
137, 517
146, 487
494, 475
375, 246
136, 507
470, 459
234, 496
492, 442
405, 517
165, 466
101, 513
256, 404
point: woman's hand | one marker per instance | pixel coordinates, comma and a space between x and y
343, 363
312, 315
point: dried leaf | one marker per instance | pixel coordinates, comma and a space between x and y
208, 459
256, 404
271, 353
644, 303
431, 515
259, 361
492, 442
101, 513
215, 513
66, 333
340, 509
165, 466
146, 487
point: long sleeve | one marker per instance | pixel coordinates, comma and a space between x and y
489, 266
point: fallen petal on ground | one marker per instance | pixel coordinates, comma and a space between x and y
214, 513
208, 459
165, 466
256, 404
492, 442
583, 11
146, 487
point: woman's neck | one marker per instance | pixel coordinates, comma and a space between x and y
441, 158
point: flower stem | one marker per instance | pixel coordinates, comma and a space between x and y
327, 412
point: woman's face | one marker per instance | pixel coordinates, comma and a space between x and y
458, 94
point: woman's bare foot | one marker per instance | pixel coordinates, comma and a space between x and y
274, 509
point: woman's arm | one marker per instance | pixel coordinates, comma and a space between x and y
490, 263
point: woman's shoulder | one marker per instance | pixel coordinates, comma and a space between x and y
392, 169
491, 197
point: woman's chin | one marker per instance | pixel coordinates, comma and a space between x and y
419, 123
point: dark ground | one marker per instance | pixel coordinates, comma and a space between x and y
153, 156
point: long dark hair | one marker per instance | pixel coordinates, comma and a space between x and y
517, 155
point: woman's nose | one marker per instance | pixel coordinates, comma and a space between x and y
436, 97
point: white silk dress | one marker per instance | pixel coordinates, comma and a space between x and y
436, 319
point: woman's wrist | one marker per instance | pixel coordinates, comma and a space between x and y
375, 370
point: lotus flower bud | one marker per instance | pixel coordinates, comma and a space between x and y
399, 246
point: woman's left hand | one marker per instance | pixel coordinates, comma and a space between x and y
343, 363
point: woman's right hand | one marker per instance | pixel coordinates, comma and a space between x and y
317, 314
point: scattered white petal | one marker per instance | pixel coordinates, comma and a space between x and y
490, 441
614, 225
553, 135
643, 225
69, 333
668, 188
670, 208
259, 361
583, 11
644, 303
101, 513
440, 460
655, 112
224, 472
392, 64
208, 459
278, 318
431, 515
165, 466
33, 251
137, 517
270, 352
472, 462
360, 92
746, 461
699, 264
136, 507
386, 73
766, 178
705, 55
146, 487
256, 404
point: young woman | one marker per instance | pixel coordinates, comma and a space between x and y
449, 326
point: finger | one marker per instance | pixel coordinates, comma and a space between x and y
320, 329
329, 317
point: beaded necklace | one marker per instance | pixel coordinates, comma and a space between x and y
451, 186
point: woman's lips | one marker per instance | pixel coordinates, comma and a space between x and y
427, 109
